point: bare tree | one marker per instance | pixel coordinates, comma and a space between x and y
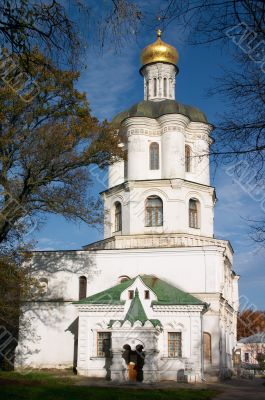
239, 26
44, 24
62, 30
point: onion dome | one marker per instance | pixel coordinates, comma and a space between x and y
159, 51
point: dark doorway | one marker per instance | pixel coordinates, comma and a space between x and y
135, 361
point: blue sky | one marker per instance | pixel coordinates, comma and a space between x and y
112, 83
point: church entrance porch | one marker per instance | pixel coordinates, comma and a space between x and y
135, 362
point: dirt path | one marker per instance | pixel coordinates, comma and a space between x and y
240, 389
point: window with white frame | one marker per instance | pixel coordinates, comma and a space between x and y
103, 344
82, 287
187, 158
174, 344
154, 156
118, 217
155, 87
194, 213
165, 87
147, 294
153, 211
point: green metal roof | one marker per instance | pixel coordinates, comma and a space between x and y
166, 293
155, 109
109, 296
136, 313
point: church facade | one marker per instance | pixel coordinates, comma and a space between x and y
157, 298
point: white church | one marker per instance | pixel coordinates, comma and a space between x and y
157, 298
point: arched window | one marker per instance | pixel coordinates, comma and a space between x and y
154, 156
124, 278
207, 348
147, 89
187, 158
153, 211
155, 87
44, 285
165, 87
82, 287
194, 213
118, 217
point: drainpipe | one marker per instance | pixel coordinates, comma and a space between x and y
202, 358
202, 352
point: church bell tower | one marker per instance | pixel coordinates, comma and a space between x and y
163, 189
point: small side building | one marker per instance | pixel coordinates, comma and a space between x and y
249, 349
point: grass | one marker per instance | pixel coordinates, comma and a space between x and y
51, 386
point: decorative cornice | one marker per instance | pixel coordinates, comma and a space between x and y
157, 183
167, 123
163, 309
171, 240
99, 307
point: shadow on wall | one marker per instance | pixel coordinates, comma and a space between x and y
73, 328
78, 262
59, 270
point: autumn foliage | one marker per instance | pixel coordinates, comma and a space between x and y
46, 148
250, 322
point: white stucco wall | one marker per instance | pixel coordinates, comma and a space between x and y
47, 334
171, 132
175, 195
197, 270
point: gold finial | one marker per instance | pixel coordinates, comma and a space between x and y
159, 33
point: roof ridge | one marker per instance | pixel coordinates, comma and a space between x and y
166, 293
136, 310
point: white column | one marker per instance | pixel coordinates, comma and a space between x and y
117, 368
137, 155
150, 368
116, 174
173, 158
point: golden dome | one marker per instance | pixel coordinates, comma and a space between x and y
159, 51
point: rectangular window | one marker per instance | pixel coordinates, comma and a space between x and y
246, 357
154, 216
131, 294
147, 294
193, 219
174, 344
154, 156
103, 344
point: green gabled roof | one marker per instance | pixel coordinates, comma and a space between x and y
155, 109
166, 293
136, 311
108, 296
